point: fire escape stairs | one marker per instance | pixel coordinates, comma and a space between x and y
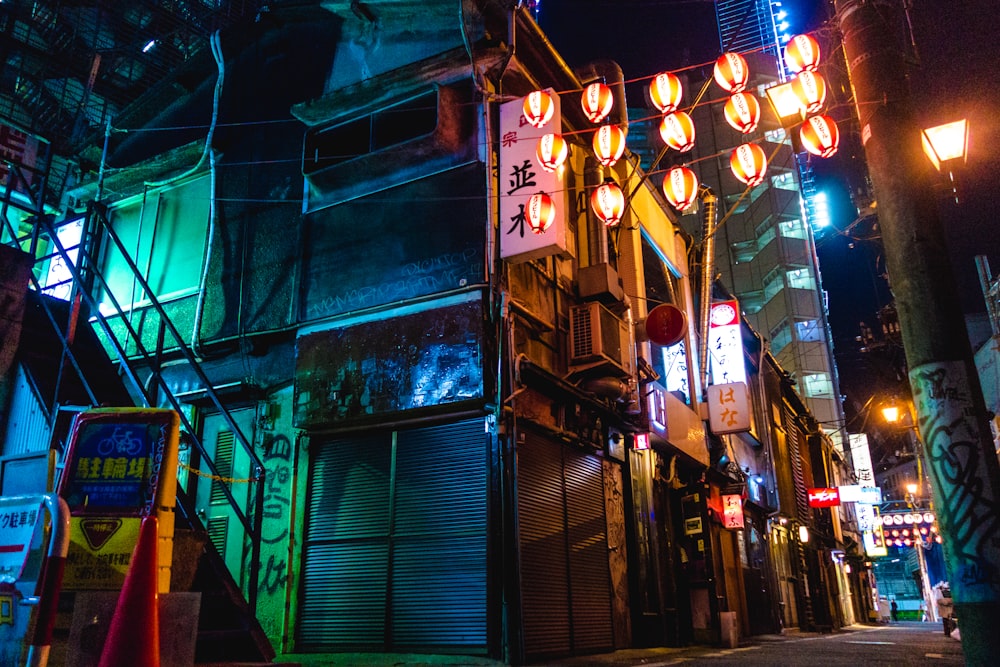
74, 359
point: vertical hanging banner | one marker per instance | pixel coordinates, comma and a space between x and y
521, 176
725, 344
121, 465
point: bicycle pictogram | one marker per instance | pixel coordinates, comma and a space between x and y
119, 442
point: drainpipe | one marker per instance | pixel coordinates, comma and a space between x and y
711, 212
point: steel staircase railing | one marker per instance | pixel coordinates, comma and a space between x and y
85, 275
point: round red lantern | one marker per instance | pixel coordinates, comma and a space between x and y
820, 136
665, 91
551, 151
810, 88
731, 72
538, 108
677, 131
597, 102
742, 112
540, 212
680, 187
666, 325
802, 53
609, 144
608, 202
749, 164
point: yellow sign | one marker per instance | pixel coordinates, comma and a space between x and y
100, 549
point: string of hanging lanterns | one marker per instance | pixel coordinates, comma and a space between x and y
818, 133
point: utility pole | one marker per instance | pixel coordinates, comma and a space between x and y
959, 453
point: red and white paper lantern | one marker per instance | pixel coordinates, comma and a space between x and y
677, 131
538, 108
551, 151
731, 72
802, 54
810, 88
665, 92
820, 136
742, 112
680, 187
608, 202
540, 212
749, 164
609, 144
597, 102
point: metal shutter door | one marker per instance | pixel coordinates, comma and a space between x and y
438, 593
586, 530
544, 569
346, 552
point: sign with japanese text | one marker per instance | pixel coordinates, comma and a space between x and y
862, 459
121, 465
521, 177
18, 515
732, 511
823, 497
21, 149
855, 493
874, 539
100, 550
725, 343
729, 408
675, 367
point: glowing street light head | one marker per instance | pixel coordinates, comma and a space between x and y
947, 142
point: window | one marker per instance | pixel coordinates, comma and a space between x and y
817, 385
773, 283
164, 235
781, 336
808, 331
775, 136
793, 229
801, 279
784, 180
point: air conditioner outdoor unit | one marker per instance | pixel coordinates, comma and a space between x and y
599, 338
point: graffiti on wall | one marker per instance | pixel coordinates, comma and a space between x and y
963, 477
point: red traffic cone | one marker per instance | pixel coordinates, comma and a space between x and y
134, 637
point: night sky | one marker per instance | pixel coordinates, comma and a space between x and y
956, 77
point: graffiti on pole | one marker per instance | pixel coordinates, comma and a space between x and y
964, 478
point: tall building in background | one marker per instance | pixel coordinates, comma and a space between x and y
765, 249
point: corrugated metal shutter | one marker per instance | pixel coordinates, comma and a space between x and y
565, 583
586, 531
346, 553
541, 519
395, 552
439, 537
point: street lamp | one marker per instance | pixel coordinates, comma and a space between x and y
946, 145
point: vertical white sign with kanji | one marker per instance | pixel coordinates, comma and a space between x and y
728, 408
725, 344
520, 177
732, 511
862, 458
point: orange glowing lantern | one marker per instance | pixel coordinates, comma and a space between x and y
551, 151
608, 202
597, 102
609, 144
802, 54
810, 88
820, 136
677, 131
749, 164
680, 187
538, 108
665, 91
540, 212
742, 112
731, 72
